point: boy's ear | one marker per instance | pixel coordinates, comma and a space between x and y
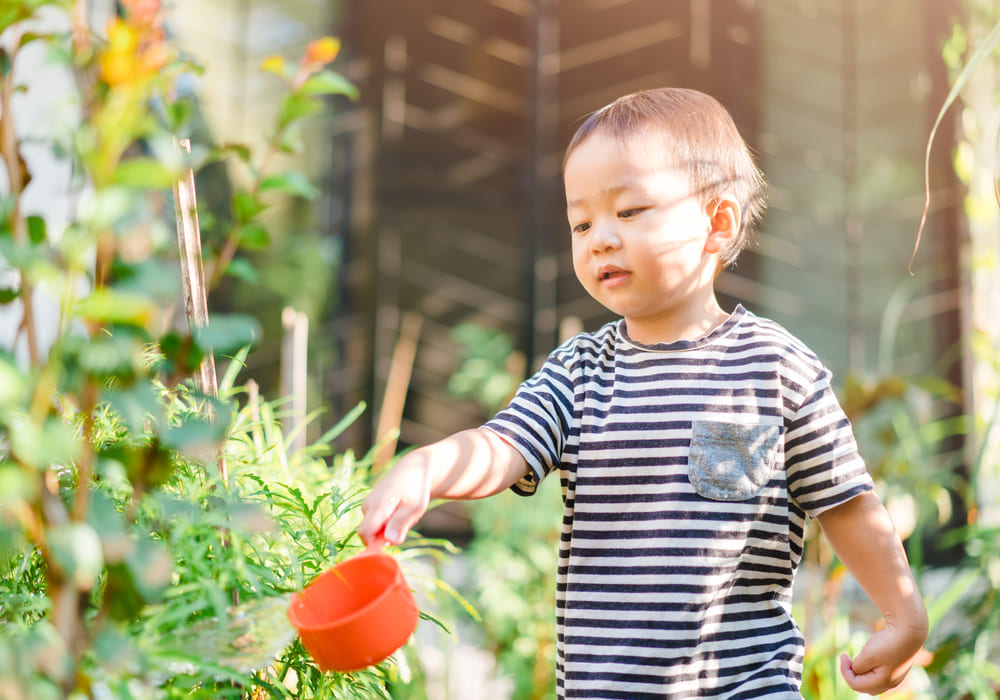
724, 217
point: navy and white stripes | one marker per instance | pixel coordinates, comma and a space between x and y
688, 470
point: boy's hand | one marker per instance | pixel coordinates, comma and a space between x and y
883, 661
862, 535
397, 502
474, 463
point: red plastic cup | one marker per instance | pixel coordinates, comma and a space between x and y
356, 613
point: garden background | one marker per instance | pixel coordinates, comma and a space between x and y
381, 219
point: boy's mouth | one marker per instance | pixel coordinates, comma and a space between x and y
608, 273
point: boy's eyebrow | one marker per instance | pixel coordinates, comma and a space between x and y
606, 191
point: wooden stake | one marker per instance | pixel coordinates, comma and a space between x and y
193, 279
294, 374
396, 387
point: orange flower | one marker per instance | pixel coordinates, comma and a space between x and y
143, 11
135, 48
321, 51
117, 61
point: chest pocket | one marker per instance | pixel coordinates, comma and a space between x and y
730, 461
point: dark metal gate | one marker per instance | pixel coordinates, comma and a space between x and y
452, 167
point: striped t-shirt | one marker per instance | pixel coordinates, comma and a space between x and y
688, 470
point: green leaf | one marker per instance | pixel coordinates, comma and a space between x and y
21, 255
293, 182
106, 207
240, 150
146, 278
243, 269
36, 229
198, 436
328, 82
295, 107
228, 333
112, 355
16, 484
113, 647
7, 205
951, 596
145, 464
990, 43
180, 354
144, 173
110, 306
236, 365
138, 578
29, 37
8, 294
179, 113
13, 383
291, 140
17, 11
151, 568
76, 549
342, 425
40, 445
109, 524
246, 206
254, 236
136, 405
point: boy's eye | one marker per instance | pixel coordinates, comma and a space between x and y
582, 228
629, 213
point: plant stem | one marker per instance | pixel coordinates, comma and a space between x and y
15, 177
85, 464
232, 242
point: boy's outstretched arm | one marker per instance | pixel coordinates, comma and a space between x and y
863, 537
471, 464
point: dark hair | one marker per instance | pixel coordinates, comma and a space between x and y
700, 136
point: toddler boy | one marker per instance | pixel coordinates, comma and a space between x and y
691, 444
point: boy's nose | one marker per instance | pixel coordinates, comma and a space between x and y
605, 238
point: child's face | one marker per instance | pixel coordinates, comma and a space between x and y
643, 243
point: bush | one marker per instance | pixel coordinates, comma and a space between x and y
152, 528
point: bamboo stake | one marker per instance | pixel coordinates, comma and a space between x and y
253, 403
193, 280
294, 375
397, 384
196, 296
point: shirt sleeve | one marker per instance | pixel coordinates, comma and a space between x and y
823, 466
537, 421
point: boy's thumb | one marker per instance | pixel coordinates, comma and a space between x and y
862, 663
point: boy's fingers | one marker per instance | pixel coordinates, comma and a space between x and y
389, 521
848, 672
375, 520
845, 667
403, 519
397, 527
859, 678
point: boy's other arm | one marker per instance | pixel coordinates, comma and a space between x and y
471, 464
863, 537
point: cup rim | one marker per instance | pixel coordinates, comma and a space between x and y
397, 578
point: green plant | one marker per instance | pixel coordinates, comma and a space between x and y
965, 643
485, 373
913, 434
514, 553
150, 531
966, 661
514, 557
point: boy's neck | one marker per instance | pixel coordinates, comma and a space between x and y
693, 324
